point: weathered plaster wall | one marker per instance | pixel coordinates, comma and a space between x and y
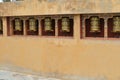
61, 56
73, 56
42, 7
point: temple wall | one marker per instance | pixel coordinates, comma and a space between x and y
60, 55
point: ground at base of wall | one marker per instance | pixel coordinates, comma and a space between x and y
11, 75
8, 75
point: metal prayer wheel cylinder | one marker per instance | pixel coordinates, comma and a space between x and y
32, 25
18, 26
48, 24
116, 24
1, 27
65, 25
95, 24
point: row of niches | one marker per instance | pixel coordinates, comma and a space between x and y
46, 26
94, 26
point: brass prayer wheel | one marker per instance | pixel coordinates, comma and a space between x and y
48, 24
32, 24
95, 24
65, 25
18, 26
1, 27
116, 24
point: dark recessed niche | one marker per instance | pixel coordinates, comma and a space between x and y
94, 27
48, 26
65, 27
1, 27
114, 27
32, 26
17, 25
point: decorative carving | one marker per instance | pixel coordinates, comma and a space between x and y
18, 25
116, 24
32, 24
95, 24
48, 24
65, 25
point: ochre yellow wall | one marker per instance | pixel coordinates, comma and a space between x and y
84, 57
